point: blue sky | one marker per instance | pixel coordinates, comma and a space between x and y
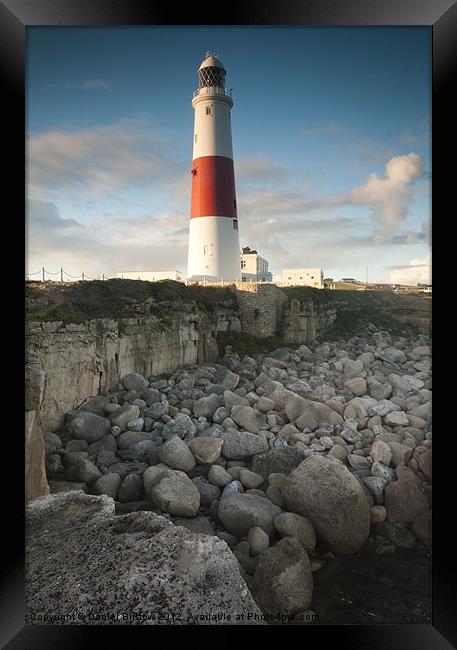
331, 137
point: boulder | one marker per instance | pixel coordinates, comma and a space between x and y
88, 426
151, 475
232, 399
304, 412
242, 444
95, 404
218, 476
240, 512
406, 384
356, 385
258, 540
206, 449
397, 418
250, 480
134, 381
206, 406
381, 452
121, 417
248, 418
208, 493
280, 460
130, 438
176, 454
325, 491
383, 407
130, 489
425, 464
283, 581
86, 471
107, 484
177, 576
405, 501
289, 524
175, 493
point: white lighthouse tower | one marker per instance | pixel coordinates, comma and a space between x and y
214, 247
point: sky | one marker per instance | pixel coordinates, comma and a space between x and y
331, 140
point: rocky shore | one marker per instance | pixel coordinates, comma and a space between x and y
224, 487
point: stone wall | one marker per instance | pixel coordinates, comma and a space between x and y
261, 308
303, 322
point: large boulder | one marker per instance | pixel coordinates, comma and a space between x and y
406, 384
121, 417
176, 454
405, 501
304, 412
324, 490
239, 445
289, 524
206, 406
240, 512
206, 449
138, 564
280, 460
248, 418
175, 493
88, 426
283, 581
134, 381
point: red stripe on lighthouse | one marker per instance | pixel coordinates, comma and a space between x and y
213, 187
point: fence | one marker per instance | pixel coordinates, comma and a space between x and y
62, 276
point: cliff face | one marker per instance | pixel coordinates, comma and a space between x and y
90, 358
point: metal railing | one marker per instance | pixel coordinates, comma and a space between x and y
212, 90
63, 276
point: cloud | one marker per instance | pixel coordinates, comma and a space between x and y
388, 198
88, 84
418, 270
260, 170
95, 161
116, 244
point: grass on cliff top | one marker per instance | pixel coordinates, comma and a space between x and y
77, 302
248, 345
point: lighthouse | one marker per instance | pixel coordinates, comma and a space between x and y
214, 247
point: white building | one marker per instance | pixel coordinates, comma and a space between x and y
253, 267
151, 276
303, 277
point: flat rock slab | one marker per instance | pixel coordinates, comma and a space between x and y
130, 569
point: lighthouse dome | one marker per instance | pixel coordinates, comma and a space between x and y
211, 73
211, 60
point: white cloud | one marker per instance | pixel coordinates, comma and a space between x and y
418, 270
95, 161
388, 198
114, 244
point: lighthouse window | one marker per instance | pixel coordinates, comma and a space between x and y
196, 137
208, 110
235, 224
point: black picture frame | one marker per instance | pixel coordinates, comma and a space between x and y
15, 17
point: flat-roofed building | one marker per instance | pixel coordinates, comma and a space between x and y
303, 277
254, 268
